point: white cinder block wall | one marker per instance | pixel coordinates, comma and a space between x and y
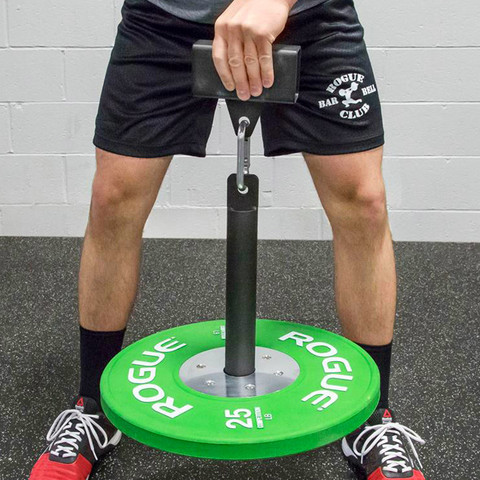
426, 55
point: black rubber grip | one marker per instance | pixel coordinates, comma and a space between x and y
286, 68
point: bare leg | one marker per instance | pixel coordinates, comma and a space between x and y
124, 191
352, 192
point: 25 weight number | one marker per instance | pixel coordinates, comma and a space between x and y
240, 416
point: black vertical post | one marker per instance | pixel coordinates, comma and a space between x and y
241, 288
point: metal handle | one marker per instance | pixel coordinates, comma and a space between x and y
243, 154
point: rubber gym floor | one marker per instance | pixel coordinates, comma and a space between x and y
434, 383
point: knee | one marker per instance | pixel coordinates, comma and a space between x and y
371, 206
115, 204
360, 211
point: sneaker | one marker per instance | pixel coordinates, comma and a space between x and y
377, 450
76, 440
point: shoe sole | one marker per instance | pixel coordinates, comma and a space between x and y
353, 461
114, 441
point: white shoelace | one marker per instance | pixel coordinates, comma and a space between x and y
70, 437
393, 454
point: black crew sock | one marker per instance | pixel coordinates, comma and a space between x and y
382, 355
96, 350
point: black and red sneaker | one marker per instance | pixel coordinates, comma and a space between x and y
77, 439
378, 451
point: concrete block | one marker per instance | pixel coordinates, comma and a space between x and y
80, 170
293, 185
53, 127
213, 143
426, 183
432, 129
5, 142
118, 4
378, 59
432, 75
60, 23
174, 222
327, 233
32, 179
3, 24
419, 24
31, 75
44, 220
85, 72
290, 224
203, 182
440, 226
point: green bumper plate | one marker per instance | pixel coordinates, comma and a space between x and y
336, 391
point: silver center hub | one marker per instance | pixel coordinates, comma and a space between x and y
274, 370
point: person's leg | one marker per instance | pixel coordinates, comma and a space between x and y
123, 193
352, 192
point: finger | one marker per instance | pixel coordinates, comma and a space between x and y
236, 62
220, 60
265, 59
253, 66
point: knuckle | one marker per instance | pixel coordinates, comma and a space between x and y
250, 60
261, 34
234, 61
234, 26
265, 59
257, 35
265, 36
249, 29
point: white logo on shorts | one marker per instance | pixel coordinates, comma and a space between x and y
348, 90
347, 93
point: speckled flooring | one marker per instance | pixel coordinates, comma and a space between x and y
434, 384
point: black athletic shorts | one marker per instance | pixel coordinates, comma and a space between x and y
147, 108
